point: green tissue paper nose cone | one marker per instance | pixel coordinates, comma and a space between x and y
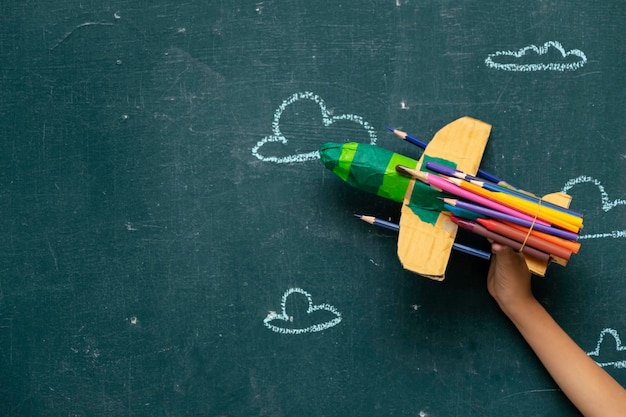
367, 167
330, 153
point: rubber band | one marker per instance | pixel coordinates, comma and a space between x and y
532, 225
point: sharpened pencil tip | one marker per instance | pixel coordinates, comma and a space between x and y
368, 219
413, 173
391, 129
402, 135
403, 170
358, 216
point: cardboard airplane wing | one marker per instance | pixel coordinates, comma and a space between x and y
426, 236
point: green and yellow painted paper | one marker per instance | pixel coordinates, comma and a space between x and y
373, 169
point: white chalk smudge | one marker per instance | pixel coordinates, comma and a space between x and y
283, 316
615, 234
607, 205
618, 347
327, 119
116, 17
494, 60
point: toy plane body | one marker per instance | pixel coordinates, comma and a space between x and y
426, 233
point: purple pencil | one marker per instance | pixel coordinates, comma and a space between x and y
450, 172
516, 220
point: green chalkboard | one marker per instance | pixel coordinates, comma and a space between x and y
171, 245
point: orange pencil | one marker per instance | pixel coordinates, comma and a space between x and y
496, 237
567, 244
520, 236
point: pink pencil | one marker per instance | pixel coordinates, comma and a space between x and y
444, 185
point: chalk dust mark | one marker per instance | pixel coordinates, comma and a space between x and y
596, 353
532, 391
283, 316
67, 35
53, 254
327, 119
607, 205
538, 54
504, 89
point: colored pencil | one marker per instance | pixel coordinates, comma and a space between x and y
480, 230
404, 136
422, 144
554, 210
504, 187
526, 196
396, 228
554, 217
512, 219
567, 244
522, 237
451, 172
448, 171
379, 222
519, 193
462, 213
441, 183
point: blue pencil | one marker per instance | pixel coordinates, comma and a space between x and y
421, 144
464, 214
396, 228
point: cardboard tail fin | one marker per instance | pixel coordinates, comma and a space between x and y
538, 267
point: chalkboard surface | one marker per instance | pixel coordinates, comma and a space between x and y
171, 245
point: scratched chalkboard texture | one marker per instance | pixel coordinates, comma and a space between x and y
171, 245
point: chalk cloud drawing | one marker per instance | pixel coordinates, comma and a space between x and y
598, 354
273, 318
570, 60
327, 119
607, 205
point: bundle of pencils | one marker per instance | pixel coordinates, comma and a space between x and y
504, 214
493, 208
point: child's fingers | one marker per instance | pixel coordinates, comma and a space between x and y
497, 247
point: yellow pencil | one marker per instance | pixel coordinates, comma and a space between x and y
558, 217
555, 217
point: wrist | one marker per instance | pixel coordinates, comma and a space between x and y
520, 306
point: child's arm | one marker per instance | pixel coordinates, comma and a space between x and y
593, 391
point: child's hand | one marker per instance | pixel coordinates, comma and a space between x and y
509, 279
